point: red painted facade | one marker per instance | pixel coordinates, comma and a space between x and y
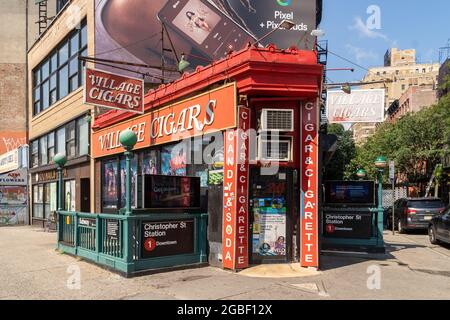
265, 78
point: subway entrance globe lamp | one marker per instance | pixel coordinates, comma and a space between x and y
361, 173
128, 140
60, 160
380, 164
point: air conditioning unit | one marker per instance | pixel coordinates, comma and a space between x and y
270, 149
277, 120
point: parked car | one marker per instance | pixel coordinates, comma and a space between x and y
414, 213
439, 228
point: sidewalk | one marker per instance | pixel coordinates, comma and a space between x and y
32, 269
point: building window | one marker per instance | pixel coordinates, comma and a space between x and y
60, 5
61, 72
50, 146
34, 154
61, 140
403, 87
43, 159
70, 140
83, 136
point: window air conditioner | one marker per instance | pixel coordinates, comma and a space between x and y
277, 120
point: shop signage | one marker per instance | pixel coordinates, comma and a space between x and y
50, 175
235, 194
88, 222
9, 161
167, 238
309, 251
348, 225
359, 106
109, 90
206, 113
14, 178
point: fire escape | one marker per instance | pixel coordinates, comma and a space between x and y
42, 22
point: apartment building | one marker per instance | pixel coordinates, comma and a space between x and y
58, 121
400, 71
413, 100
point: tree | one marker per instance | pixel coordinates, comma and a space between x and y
345, 152
414, 140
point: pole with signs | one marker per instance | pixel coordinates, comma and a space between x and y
392, 178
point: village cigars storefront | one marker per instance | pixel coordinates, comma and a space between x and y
259, 187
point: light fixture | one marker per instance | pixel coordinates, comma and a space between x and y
381, 163
347, 89
183, 64
361, 173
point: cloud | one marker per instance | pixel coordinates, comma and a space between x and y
361, 27
361, 55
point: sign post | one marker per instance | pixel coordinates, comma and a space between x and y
392, 178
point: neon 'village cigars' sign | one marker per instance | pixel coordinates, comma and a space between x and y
208, 112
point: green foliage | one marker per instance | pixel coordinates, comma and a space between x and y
335, 170
415, 139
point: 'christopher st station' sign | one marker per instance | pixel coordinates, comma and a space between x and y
104, 89
209, 112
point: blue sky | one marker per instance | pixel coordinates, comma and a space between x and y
420, 25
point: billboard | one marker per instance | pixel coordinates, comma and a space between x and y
359, 106
204, 30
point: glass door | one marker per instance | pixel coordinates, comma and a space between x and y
270, 216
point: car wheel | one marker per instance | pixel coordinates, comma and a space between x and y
400, 227
432, 235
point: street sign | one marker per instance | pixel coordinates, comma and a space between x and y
392, 170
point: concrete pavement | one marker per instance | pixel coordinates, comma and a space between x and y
411, 269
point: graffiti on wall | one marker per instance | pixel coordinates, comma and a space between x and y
11, 140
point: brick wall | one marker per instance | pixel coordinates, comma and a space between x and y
12, 106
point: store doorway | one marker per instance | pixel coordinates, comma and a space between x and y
85, 195
271, 216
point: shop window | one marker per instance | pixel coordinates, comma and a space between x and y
70, 140
110, 184
83, 136
43, 160
38, 201
123, 176
61, 72
174, 160
50, 194
69, 195
150, 162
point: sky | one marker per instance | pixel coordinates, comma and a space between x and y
405, 24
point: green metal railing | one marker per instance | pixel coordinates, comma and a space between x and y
115, 240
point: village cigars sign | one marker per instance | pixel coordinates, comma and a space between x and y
309, 225
208, 112
108, 90
235, 194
